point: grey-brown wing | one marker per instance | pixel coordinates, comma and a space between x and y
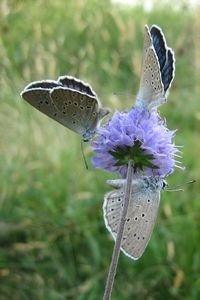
76, 84
165, 56
43, 84
147, 43
69, 101
151, 90
79, 109
140, 219
41, 100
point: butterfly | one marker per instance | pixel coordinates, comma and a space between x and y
69, 101
158, 69
141, 214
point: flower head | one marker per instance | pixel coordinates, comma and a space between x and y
139, 135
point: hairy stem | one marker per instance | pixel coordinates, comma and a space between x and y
116, 250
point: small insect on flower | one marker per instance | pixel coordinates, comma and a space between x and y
158, 69
141, 214
69, 101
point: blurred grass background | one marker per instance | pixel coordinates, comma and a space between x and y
53, 243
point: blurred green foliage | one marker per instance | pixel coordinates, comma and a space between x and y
53, 241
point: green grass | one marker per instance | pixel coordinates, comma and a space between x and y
53, 241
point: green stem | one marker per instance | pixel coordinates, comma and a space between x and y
116, 250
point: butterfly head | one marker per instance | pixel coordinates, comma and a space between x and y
88, 135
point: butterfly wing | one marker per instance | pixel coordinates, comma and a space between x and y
160, 46
69, 101
151, 90
147, 42
140, 219
168, 71
82, 111
165, 57
38, 95
43, 84
76, 84
158, 68
79, 109
94, 113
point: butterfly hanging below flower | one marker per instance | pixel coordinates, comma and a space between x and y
141, 214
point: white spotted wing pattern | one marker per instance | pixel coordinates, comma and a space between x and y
141, 214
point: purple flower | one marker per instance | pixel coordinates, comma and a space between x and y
139, 135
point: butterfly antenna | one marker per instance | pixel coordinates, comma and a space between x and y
177, 188
83, 155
